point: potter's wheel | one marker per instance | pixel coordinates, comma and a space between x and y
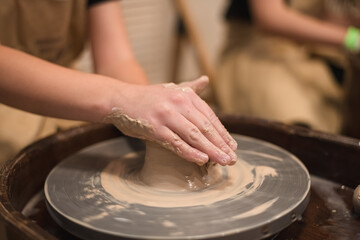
272, 196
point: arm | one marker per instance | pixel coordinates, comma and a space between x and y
275, 17
171, 115
37, 86
111, 49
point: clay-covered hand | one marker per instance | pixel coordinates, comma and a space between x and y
177, 118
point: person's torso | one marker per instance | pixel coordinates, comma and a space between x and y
53, 30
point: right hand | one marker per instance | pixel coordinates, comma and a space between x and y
177, 118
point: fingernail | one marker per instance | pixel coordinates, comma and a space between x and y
233, 157
202, 158
233, 144
232, 163
224, 159
199, 162
204, 77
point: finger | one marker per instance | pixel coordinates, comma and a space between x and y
197, 85
174, 143
209, 131
193, 136
202, 106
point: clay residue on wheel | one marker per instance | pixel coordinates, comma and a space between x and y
165, 180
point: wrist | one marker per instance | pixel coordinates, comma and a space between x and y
109, 92
352, 40
118, 94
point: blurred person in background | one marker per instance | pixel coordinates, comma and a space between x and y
286, 60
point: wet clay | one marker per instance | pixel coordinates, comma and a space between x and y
137, 128
129, 126
166, 171
165, 180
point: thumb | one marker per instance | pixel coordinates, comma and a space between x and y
197, 85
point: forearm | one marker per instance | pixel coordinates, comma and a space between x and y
171, 115
40, 87
276, 17
112, 52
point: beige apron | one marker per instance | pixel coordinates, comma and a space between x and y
53, 30
275, 78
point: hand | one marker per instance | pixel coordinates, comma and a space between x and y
177, 118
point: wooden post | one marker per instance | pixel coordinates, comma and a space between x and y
198, 43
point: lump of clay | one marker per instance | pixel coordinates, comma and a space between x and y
165, 170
